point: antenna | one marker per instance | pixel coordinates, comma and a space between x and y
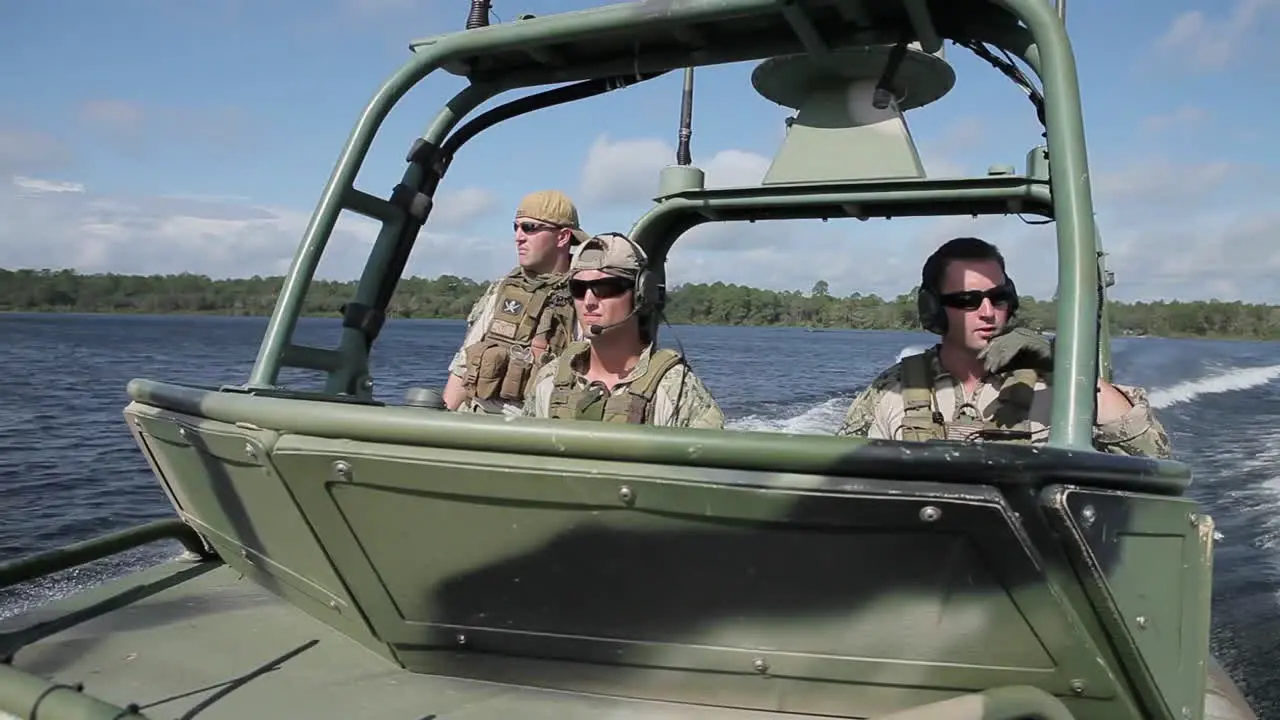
479, 15
1062, 9
683, 157
683, 176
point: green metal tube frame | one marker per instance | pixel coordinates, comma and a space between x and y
26, 696
351, 348
753, 451
1049, 54
68, 556
1075, 353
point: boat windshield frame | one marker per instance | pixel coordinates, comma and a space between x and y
1031, 30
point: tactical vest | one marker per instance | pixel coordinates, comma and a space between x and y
1010, 416
634, 404
501, 364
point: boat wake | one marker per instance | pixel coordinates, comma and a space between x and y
825, 416
820, 419
1226, 381
910, 350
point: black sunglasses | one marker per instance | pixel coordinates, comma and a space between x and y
1000, 296
529, 227
606, 287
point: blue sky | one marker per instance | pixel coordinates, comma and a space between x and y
148, 136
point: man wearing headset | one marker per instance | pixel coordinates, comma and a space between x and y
984, 380
615, 374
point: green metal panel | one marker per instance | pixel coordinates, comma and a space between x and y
1147, 565
229, 492
841, 593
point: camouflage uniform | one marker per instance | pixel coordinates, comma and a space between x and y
659, 390
550, 326
681, 399
524, 296
878, 412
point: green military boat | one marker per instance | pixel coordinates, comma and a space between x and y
350, 557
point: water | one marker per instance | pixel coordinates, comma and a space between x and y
69, 469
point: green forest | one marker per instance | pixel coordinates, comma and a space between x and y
698, 304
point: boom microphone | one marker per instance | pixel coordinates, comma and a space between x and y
597, 329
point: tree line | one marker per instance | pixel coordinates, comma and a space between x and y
717, 303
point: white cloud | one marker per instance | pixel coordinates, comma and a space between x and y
620, 172
135, 128
940, 156
120, 114
1227, 255
1164, 182
729, 168
1173, 230
780, 254
878, 256
1207, 43
57, 223
626, 171
1187, 116
458, 208
28, 151
36, 185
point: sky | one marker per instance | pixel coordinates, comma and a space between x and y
152, 136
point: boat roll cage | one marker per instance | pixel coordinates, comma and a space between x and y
606, 48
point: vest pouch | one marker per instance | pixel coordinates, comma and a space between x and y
491, 369
964, 429
920, 422
627, 408
519, 368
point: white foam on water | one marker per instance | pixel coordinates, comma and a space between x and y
56, 586
910, 350
825, 416
1226, 381
821, 419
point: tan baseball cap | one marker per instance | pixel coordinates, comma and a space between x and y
609, 253
554, 207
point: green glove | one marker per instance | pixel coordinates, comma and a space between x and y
1017, 349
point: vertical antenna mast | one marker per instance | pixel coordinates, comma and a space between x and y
683, 157
479, 15
1062, 10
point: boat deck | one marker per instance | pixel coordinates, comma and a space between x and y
205, 642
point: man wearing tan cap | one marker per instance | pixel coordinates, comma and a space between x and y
525, 318
615, 374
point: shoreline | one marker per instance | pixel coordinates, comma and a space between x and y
1217, 337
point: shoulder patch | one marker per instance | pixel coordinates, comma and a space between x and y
512, 306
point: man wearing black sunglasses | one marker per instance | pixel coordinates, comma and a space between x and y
616, 374
986, 380
525, 318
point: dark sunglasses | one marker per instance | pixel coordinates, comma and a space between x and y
529, 227
1000, 296
607, 287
